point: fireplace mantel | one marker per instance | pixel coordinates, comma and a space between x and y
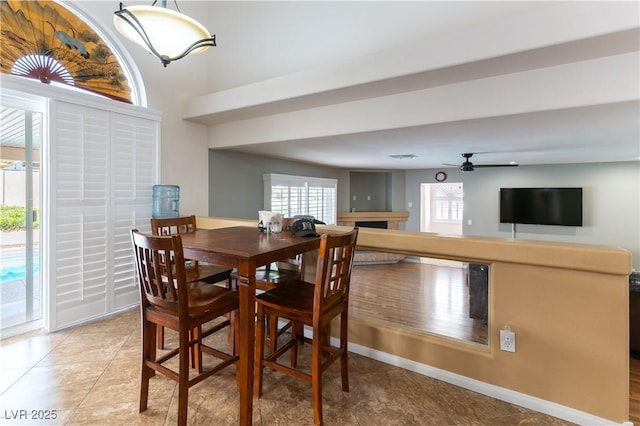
393, 219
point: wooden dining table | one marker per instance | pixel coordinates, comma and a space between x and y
245, 248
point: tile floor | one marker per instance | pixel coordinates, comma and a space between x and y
89, 375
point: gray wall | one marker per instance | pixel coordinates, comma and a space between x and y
397, 189
390, 188
236, 187
370, 190
611, 195
611, 202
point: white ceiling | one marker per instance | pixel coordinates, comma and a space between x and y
546, 89
349, 83
600, 133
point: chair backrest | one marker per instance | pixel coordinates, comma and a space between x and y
173, 225
296, 263
160, 265
333, 272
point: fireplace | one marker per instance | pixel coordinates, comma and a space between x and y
379, 220
379, 224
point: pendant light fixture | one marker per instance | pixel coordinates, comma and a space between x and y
167, 34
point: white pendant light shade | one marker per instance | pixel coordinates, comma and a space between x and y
167, 34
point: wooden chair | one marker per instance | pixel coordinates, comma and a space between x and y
313, 304
268, 278
168, 300
196, 271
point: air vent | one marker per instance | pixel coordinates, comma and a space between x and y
403, 156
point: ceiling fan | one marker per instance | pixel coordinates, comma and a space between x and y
468, 166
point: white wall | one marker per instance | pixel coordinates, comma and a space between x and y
184, 151
12, 188
611, 202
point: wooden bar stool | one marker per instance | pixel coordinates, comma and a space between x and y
314, 304
168, 300
195, 271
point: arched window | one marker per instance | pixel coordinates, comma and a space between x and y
449, 205
50, 42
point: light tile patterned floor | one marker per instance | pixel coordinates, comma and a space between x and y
89, 375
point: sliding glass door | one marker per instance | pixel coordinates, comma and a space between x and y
21, 136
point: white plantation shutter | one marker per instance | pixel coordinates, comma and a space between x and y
133, 172
79, 195
280, 199
322, 200
448, 203
102, 168
297, 196
300, 195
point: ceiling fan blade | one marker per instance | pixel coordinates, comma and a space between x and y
495, 165
451, 165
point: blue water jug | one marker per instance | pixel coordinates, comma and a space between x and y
166, 201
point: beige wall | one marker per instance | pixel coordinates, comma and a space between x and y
567, 303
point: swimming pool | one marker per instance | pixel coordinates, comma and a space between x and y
12, 264
16, 272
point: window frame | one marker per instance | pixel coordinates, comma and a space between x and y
449, 200
308, 188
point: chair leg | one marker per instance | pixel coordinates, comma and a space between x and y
160, 337
259, 350
316, 378
273, 333
235, 326
183, 379
344, 360
232, 338
148, 353
297, 334
195, 349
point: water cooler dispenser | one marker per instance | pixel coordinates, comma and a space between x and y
166, 201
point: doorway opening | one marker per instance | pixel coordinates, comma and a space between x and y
441, 208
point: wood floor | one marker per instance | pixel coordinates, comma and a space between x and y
634, 391
418, 296
434, 299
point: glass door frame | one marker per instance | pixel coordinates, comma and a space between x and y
31, 105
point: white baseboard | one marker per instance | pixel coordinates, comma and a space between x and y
503, 394
497, 392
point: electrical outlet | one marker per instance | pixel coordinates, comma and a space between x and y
507, 340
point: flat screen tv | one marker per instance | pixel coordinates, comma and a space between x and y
541, 206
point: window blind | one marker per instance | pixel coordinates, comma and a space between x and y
301, 195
